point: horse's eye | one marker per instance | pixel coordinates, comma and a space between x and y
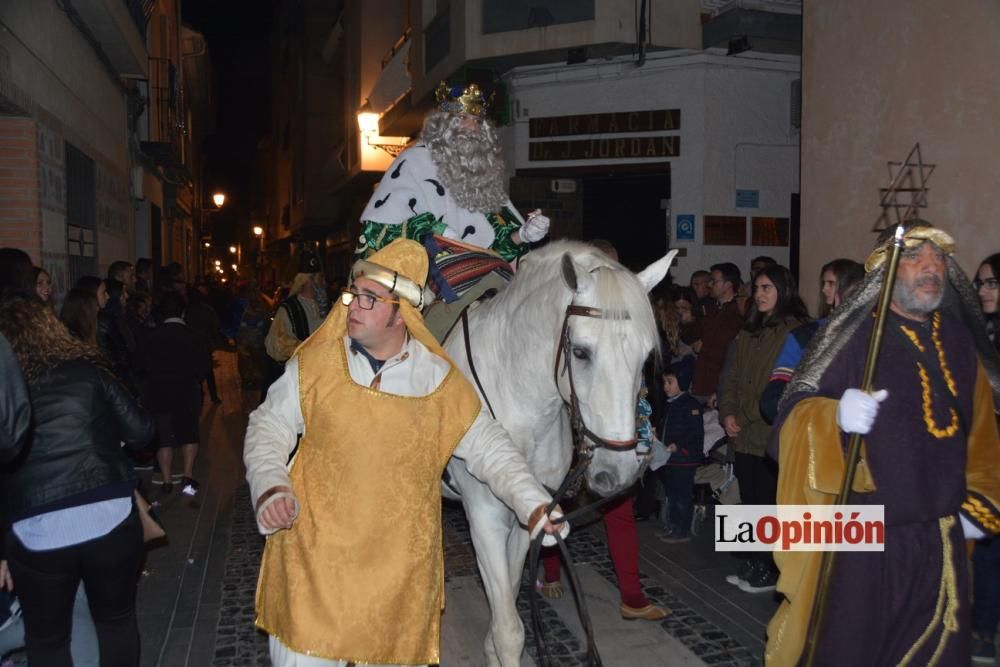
581, 353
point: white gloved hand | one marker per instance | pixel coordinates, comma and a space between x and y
535, 227
538, 524
857, 410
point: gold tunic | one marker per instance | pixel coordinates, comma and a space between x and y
360, 575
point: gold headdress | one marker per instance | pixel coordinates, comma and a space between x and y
917, 232
401, 267
458, 100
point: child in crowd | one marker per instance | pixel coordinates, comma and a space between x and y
683, 433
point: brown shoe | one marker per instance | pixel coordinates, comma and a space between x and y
552, 590
648, 613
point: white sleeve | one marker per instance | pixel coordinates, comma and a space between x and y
971, 530
491, 457
272, 432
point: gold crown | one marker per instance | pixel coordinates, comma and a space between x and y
458, 100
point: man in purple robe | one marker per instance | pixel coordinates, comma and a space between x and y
931, 456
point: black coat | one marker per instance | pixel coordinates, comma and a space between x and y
684, 427
15, 408
81, 414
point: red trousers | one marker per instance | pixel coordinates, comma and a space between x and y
623, 547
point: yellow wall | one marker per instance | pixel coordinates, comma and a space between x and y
878, 77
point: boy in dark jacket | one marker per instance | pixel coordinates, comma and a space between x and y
683, 433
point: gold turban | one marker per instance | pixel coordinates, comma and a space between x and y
401, 267
917, 233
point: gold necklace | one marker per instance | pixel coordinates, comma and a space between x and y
925, 382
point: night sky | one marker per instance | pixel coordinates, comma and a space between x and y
237, 32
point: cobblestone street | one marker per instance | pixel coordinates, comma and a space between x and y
197, 594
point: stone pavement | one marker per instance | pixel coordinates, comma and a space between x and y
196, 596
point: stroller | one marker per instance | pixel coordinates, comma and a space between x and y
714, 480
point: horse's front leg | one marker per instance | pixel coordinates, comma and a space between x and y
490, 523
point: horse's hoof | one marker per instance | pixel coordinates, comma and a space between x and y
648, 613
552, 590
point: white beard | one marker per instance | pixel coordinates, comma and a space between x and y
468, 162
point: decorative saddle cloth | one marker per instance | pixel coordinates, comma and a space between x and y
460, 275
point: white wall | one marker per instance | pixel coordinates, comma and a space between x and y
735, 131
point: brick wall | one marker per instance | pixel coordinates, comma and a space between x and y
20, 205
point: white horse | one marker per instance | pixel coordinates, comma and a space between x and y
515, 341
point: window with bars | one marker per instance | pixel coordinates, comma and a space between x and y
81, 214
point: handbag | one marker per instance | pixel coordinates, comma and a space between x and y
151, 528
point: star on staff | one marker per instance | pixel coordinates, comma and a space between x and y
907, 190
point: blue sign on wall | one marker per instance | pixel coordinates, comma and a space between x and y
685, 227
748, 199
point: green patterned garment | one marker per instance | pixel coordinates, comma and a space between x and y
376, 235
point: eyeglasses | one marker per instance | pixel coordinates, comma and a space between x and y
365, 301
989, 283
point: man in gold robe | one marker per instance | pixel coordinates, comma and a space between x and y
353, 567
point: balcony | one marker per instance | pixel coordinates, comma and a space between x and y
771, 26
119, 26
166, 128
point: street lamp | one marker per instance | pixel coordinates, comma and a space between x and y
232, 250
258, 231
218, 198
372, 140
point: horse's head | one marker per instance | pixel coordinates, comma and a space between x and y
605, 345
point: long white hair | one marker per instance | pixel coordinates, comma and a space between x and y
468, 161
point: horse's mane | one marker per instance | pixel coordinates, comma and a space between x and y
538, 288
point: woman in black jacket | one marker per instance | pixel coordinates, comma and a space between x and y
69, 495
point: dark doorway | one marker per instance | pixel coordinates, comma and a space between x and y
627, 210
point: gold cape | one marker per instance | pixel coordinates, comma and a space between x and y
360, 575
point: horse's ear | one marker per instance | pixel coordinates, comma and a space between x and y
569, 272
651, 276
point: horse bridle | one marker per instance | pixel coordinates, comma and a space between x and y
573, 404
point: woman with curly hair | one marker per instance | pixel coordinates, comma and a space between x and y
43, 286
70, 499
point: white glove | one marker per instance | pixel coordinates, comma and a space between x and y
550, 540
857, 410
535, 227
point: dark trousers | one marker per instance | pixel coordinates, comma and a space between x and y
679, 481
986, 587
758, 478
46, 583
213, 390
645, 497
